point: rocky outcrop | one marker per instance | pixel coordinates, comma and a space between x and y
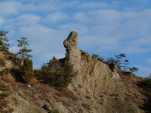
94, 88
73, 54
95, 82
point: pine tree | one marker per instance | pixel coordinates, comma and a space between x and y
24, 51
133, 69
4, 45
122, 61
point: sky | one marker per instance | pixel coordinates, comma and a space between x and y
105, 27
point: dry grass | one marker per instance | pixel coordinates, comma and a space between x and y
4, 108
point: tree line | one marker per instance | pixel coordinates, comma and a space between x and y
23, 47
22, 57
119, 61
55, 72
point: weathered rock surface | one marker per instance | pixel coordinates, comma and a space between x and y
95, 82
73, 54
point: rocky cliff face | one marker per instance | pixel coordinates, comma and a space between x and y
100, 86
94, 88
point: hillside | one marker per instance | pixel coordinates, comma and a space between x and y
88, 85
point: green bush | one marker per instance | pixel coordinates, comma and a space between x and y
84, 53
55, 74
147, 81
27, 70
97, 57
4, 45
23, 73
28, 65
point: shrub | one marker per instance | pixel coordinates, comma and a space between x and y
28, 66
23, 73
27, 70
133, 69
121, 62
95, 56
4, 45
4, 93
84, 53
147, 81
55, 73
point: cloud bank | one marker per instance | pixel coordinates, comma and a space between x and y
104, 27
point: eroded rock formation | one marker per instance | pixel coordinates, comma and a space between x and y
94, 88
96, 83
73, 54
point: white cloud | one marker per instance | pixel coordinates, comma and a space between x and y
8, 8
1, 21
136, 49
14, 7
37, 6
149, 61
23, 20
28, 19
99, 25
117, 27
56, 17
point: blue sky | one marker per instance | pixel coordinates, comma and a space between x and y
105, 27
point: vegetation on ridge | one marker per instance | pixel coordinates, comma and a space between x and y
119, 61
4, 45
57, 71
